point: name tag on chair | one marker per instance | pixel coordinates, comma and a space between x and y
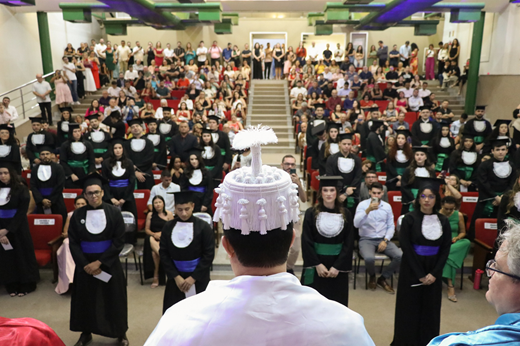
470, 199
490, 225
44, 222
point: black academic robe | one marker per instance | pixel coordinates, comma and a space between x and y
330, 244
349, 168
35, 141
395, 168
375, 150
503, 214
464, 164
174, 255
213, 160
100, 141
182, 146
418, 309
168, 129
201, 184
121, 184
409, 190
494, 178
79, 161
363, 131
11, 153
141, 152
221, 139
159, 148
309, 137
423, 132
442, 148
510, 143
479, 129
62, 128
18, 266
322, 160
47, 182
96, 306
314, 151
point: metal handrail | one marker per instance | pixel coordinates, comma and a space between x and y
28, 83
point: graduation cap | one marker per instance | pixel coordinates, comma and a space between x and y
405, 133
214, 117
501, 121
331, 126
498, 143
373, 109
182, 197
422, 108
445, 123
135, 122
151, 120
481, 107
376, 124
432, 183
417, 149
46, 148
206, 130
92, 117
332, 180
73, 126
317, 130
92, 179
11, 165
66, 109
195, 151
115, 114
343, 136
36, 120
167, 109
8, 127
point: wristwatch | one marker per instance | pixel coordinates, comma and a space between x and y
386, 240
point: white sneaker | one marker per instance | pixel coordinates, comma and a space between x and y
77, 103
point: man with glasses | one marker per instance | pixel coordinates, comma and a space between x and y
99, 298
370, 178
503, 294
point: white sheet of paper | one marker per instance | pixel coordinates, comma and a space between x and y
191, 291
417, 285
8, 246
104, 276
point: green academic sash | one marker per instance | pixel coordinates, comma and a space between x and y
79, 164
223, 152
478, 139
440, 161
100, 150
489, 207
425, 142
323, 250
468, 171
414, 193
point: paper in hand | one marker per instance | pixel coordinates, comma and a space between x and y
7, 246
191, 291
103, 276
417, 285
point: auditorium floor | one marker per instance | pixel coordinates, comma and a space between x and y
145, 306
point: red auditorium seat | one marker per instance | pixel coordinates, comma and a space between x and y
46, 236
394, 198
68, 197
468, 204
27, 176
381, 177
485, 235
410, 118
157, 177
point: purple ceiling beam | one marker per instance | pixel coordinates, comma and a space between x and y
141, 9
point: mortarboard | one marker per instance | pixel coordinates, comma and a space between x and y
425, 150
433, 183
92, 179
214, 117
182, 197
333, 180
343, 136
501, 121
36, 120
405, 133
318, 129
481, 107
135, 122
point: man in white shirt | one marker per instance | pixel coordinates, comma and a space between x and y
415, 101
70, 71
338, 54
10, 109
124, 55
113, 90
404, 52
99, 49
298, 89
375, 220
424, 92
129, 90
345, 91
41, 89
165, 189
341, 82
138, 52
189, 103
263, 304
131, 74
159, 111
408, 92
457, 124
201, 54
168, 53
327, 74
313, 53
112, 107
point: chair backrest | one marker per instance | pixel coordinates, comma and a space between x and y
157, 177
27, 176
129, 220
315, 183
468, 204
410, 118
381, 177
141, 200
204, 217
486, 231
309, 164
44, 228
68, 197
394, 198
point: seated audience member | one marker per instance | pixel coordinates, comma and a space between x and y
452, 75
261, 279
375, 220
447, 113
392, 74
503, 294
162, 91
424, 92
349, 101
458, 124
164, 189
364, 190
113, 90
407, 90
131, 74
415, 101
159, 111
365, 75
390, 94
400, 124
129, 90
345, 91
9, 108
104, 100
314, 89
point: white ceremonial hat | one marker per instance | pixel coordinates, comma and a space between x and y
257, 198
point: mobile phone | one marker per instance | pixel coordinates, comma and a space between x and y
375, 200
292, 171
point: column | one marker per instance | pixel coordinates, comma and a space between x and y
45, 42
474, 65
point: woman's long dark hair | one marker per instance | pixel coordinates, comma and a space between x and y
163, 211
15, 182
511, 195
495, 133
436, 207
458, 152
210, 144
413, 166
338, 206
172, 161
189, 168
112, 159
407, 150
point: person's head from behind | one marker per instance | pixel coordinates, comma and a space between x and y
376, 190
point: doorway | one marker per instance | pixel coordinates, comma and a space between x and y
273, 38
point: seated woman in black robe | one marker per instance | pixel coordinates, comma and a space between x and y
500, 131
398, 158
62, 128
196, 178
9, 148
327, 243
330, 147
464, 163
212, 156
443, 145
155, 222
176, 170
19, 269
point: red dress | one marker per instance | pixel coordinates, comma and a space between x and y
95, 73
158, 59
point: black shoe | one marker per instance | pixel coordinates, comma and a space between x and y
123, 341
84, 339
291, 271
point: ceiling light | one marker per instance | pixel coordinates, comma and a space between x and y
280, 16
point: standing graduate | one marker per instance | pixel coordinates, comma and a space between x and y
36, 140
19, 271
167, 127
140, 151
327, 243
116, 125
98, 138
213, 159
424, 129
500, 131
348, 166
443, 145
159, 145
375, 149
119, 171
478, 127
76, 157
398, 158
9, 149
187, 249
464, 163
494, 178
62, 127
96, 234
319, 136
47, 181
329, 147
221, 139
363, 130
196, 178
425, 238
420, 167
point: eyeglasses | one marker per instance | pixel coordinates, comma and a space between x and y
427, 196
491, 269
93, 193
